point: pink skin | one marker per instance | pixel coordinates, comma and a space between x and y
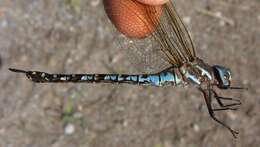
132, 18
153, 2
133, 25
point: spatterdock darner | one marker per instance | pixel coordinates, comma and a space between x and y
186, 67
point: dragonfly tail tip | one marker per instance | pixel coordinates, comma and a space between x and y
17, 70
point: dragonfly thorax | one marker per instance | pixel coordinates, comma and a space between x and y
197, 73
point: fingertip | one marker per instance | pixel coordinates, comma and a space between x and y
153, 2
131, 18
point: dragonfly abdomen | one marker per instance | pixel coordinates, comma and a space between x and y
159, 79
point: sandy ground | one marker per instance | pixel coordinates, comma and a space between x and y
71, 37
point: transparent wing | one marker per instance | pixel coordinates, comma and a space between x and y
169, 45
173, 37
143, 54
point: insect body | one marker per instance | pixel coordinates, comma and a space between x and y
185, 67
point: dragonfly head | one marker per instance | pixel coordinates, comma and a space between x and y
223, 76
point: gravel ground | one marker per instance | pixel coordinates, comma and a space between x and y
75, 36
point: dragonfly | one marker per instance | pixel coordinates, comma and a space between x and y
186, 68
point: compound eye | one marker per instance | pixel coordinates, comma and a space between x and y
226, 77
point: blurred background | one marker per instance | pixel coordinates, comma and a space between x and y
75, 36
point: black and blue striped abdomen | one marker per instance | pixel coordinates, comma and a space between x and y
160, 79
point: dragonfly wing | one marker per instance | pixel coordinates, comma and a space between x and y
173, 37
169, 45
144, 54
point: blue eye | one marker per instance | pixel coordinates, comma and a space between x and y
223, 76
226, 77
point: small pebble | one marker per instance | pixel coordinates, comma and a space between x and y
69, 129
196, 128
4, 24
187, 20
232, 115
222, 23
95, 3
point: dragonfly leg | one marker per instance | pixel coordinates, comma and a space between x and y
225, 108
236, 102
207, 96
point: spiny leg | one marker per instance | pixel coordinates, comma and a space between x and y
225, 108
207, 96
236, 102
